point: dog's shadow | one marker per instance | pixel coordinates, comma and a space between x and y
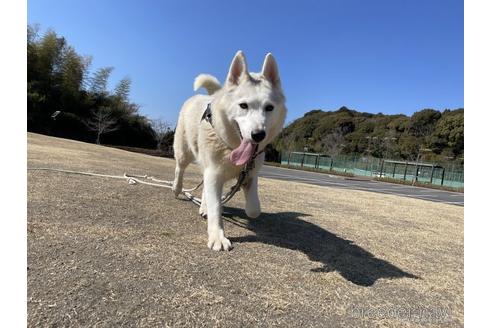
287, 230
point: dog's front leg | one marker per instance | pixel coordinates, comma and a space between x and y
252, 208
213, 184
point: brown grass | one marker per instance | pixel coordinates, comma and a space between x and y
105, 253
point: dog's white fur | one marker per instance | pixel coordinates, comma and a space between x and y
211, 145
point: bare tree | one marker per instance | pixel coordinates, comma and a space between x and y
333, 142
161, 130
101, 122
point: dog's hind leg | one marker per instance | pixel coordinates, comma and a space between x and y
182, 161
203, 206
183, 156
178, 179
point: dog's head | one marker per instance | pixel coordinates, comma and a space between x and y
255, 105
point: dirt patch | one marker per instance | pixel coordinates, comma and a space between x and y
105, 253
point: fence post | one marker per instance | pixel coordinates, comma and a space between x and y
442, 176
405, 173
453, 173
302, 160
394, 169
381, 168
331, 163
432, 173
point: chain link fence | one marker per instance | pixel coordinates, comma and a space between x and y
443, 174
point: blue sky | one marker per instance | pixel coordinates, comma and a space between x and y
374, 56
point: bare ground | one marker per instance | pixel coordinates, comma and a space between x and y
103, 253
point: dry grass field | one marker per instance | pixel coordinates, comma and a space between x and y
103, 253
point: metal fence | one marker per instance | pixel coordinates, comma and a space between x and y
450, 175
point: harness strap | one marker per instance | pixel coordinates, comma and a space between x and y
207, 114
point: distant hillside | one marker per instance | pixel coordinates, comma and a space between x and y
439, 135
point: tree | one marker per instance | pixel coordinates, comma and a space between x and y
122, 90
389, 144
73, 75
101, 122
409, 147
333, 142
161, 131
423, 122
449, 133
99, 81
121, 98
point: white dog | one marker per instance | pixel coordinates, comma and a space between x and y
225, 130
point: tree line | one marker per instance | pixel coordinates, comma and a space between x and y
429, 134
67, 99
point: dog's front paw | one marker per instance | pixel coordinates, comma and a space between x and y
217, 241
177, 189
253, 213
253, 209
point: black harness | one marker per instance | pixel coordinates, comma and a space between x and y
207, 115
241, 180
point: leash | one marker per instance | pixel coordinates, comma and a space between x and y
133, 179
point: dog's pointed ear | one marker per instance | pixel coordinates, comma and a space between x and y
270, 70
238, 69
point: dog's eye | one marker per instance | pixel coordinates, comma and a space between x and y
269, 108
243, 105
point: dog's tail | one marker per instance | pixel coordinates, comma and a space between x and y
209, 82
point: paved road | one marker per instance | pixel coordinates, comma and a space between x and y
329, 180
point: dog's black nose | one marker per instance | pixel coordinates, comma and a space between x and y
258, 136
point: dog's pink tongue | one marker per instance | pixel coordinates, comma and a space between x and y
242, 154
